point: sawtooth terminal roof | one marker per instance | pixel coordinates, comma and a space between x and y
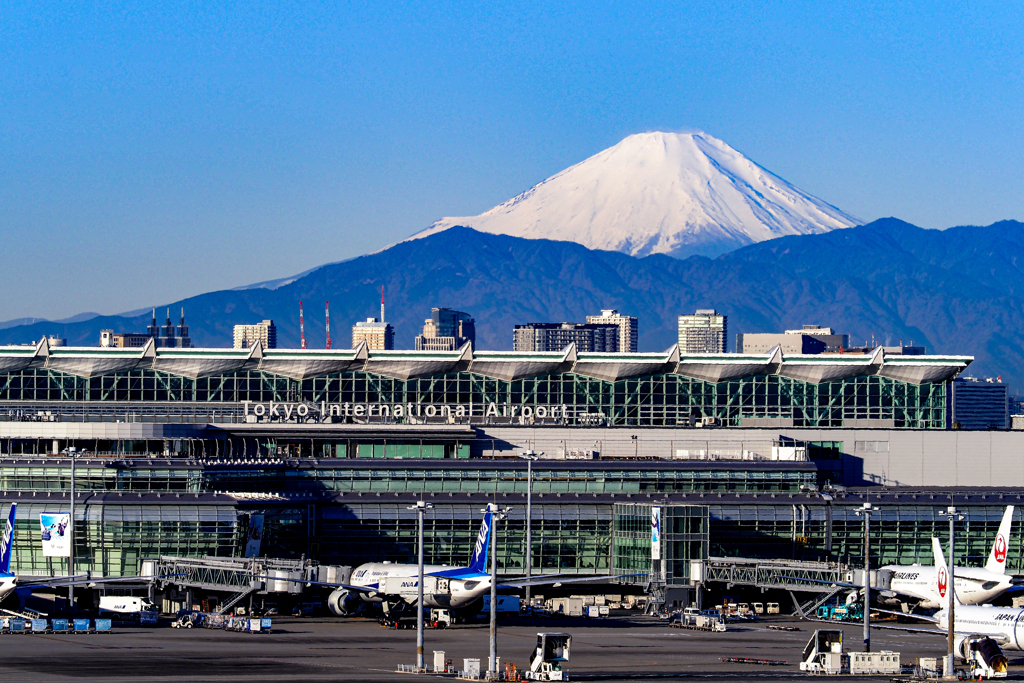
300, 364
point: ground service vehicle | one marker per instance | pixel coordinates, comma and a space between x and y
129, 608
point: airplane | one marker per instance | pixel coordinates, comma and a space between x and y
9, 580
396, 586
984, 629
974, 585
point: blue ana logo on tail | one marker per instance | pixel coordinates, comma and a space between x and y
5, 545
483, 542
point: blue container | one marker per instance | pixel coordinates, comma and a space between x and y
81, 625
39, 625
18, 625
60, 625
265, 624
102, 625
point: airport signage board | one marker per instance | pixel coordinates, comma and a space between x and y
55, 530
288, 411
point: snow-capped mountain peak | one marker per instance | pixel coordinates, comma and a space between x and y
660, 193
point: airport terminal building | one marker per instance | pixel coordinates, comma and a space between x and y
748, 455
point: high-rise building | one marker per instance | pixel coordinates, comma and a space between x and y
379, 336
703, 332
978, 404
556, 336
628, 336
446, 330
247, 335
809, 339
123, 340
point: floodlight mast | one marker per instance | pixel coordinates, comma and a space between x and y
497, 514
866, 511
953, 515
529, 456
420, 507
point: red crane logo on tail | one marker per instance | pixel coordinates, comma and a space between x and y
999, 550
943, 582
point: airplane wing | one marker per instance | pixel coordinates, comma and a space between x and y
346, 586
555, 579
922, 617
83, 580
910, 629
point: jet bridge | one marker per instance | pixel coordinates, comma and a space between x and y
814, 577
240, 576
823, 579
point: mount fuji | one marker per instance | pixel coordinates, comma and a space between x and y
678, 194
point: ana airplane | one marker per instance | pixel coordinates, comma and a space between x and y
9, 581
974, 585
396, 586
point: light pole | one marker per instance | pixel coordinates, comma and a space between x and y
420, 507
497, 514
529, 457
71, 546
866, 511
953, 516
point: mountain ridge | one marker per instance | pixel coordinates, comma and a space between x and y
955, 291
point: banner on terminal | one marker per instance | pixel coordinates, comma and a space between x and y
656, 532
252, 545
56, 534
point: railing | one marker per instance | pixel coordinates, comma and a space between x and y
817, 577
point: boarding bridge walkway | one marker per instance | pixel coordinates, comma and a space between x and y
240, 576
815, 577
821, 578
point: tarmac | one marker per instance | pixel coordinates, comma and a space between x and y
621, 648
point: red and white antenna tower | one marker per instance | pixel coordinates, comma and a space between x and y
327, 313
382, 303
302, 327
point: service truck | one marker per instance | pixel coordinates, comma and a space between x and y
129, 608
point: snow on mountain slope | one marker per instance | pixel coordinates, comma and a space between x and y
660, 193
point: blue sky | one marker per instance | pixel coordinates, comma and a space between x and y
150, 152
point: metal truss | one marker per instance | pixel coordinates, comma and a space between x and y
816, 577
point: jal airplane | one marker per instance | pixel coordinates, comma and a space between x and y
455, 588
974, 585
1004, 626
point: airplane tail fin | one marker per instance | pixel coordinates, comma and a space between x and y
997, 558
478, 562
7, 541
947, 593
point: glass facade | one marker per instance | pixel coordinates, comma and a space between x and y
656, 400
900, 533
580, 537
111, 539
394, 477
684, 537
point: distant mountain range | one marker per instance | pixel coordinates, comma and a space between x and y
678, 194
955, 291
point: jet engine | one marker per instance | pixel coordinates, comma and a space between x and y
343, 603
